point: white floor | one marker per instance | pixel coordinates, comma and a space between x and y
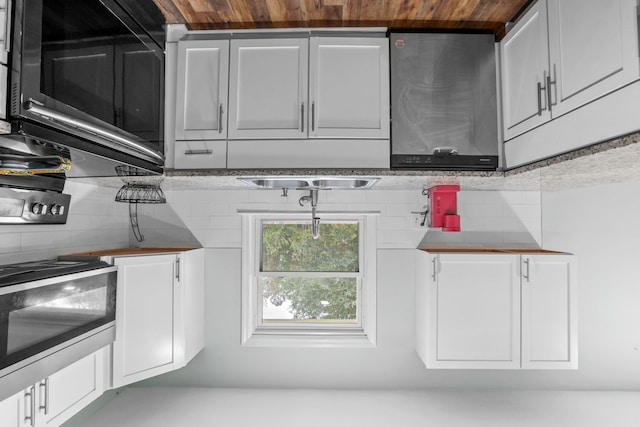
177, 407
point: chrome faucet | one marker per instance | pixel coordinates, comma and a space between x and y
315, 220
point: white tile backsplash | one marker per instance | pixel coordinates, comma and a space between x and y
211, 216
95, 222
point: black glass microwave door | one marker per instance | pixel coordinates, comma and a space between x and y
37, 319
91, 61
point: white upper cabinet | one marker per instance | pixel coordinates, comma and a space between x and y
202, 79
58, 397
525, 61
144, 318
159, 315
268, 89
349, 87
496, 311
474, 310
549, 312
563, 54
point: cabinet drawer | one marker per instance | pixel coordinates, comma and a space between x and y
200, 154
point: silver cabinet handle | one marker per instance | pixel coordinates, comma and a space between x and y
549, 83
31, 394
540, 89
44, 402
302, 117
178, 268
433, 268
198, 152
526, 263
539, 99
220, 119
313, 116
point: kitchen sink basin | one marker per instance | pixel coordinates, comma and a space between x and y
273, 183
311, 183
343, 183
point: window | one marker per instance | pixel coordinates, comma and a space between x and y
302, 291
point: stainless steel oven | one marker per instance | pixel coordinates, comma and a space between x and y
52, 313
88, 75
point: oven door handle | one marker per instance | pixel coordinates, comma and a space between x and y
111, 139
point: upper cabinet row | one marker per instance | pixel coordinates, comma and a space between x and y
561, 56
282, 89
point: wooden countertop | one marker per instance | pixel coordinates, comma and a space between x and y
477, 249
131, 251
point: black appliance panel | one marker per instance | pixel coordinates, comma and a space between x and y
92, 63
46, 303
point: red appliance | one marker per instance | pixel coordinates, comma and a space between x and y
443, 207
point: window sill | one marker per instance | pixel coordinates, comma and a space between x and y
318, 341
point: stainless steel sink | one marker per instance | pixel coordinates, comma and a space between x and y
309, 183
343, 183
271, 183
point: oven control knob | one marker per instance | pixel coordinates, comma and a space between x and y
56, 209
38, 208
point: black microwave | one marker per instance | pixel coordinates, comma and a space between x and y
52, 313
89, 75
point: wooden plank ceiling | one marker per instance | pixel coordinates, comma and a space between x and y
482, 15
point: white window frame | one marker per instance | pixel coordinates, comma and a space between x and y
255, 333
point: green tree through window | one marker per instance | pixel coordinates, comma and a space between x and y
288, 247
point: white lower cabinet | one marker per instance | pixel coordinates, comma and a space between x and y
496, 310
58, 397
159, 314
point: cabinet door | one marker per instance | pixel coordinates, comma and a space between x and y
593, 49
474, 311
201, 105
525, 61
268, 89
12, 410
349, 87
189, 312
549, 312
144, 344
69, 390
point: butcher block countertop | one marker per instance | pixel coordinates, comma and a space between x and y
482, 249
131, 251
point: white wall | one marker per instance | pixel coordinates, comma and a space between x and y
601, 225
319, 408
95, 221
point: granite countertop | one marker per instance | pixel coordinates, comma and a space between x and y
611, 161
